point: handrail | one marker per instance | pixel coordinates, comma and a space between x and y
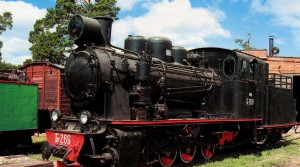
280, 81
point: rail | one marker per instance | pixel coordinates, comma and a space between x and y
280, 81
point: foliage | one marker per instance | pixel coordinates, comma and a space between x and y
4, 66
5, 22
245, 45
50, 36
27, 61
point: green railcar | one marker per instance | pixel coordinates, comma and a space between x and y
18, 107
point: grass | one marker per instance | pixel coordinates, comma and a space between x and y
278, 155
38, 139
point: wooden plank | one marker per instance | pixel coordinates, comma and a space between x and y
50, 83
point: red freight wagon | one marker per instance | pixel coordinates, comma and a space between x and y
52, 95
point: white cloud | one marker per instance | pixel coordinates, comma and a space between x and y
24, 14
178, 20
16, 50
285, 12
127, 4
15, 42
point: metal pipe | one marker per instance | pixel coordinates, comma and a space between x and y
65, 156
271, 45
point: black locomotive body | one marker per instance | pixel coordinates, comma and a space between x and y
248, 90
154, 103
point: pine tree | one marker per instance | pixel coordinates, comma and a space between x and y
50, 36
5, 22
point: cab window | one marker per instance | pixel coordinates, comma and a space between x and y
229, 64
244, 69
254, 70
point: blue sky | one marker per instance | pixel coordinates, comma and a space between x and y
188, 23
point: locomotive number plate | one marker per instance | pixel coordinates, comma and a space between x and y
62, 138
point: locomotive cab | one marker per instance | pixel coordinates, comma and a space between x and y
248, 90
242, 77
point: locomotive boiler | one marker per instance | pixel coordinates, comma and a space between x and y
150, 82
152, 102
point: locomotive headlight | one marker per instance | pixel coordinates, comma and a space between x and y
76, 27
55, 115
85, 117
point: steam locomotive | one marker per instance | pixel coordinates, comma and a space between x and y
152, 103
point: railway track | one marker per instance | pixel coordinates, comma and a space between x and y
24, 161
24, 149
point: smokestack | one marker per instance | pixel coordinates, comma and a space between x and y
90, 31
271, 45
106, 25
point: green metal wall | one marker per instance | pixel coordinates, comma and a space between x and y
18, 106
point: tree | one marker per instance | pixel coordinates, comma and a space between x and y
27, 61
245, 45
50, 36
5, 66
5, 22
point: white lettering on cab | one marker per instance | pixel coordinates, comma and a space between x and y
62, 138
